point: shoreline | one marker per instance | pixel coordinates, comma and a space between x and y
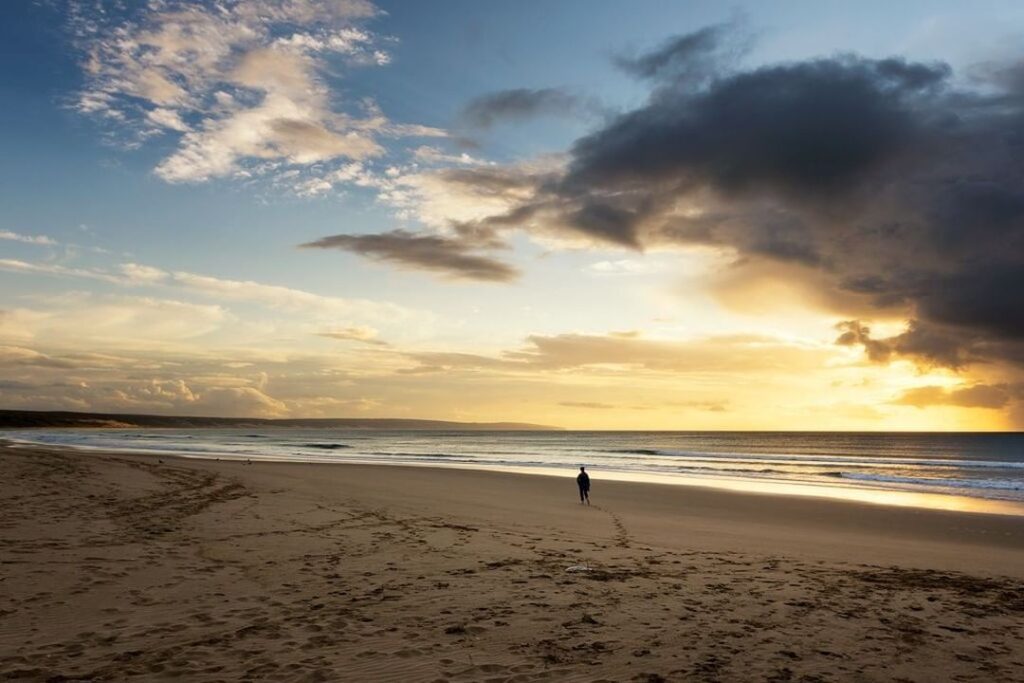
130, 567
874, 527
836, 491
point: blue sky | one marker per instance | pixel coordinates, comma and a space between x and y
175, 157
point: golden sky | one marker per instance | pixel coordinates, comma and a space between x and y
681, 220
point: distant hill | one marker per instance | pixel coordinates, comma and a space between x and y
37, 419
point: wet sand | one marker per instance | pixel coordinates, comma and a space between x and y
120, 567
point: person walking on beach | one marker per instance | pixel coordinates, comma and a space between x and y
583, 481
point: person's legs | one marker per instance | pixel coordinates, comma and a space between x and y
583, 494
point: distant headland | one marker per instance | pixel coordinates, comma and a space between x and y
42, 419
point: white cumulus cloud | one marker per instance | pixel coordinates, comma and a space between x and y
241, 83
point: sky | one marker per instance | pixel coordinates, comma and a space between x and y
589, 214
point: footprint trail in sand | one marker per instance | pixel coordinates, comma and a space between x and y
118, 569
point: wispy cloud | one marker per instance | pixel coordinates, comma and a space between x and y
115, 320
451, 258
709, 406
991, 396
521, 104
617, 352
589, 405
18, 266
21, 356
691, 58
220, 289
287, 298
27, 239
360, 333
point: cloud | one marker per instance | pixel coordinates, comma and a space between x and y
787, 130
290, 123
521, 104
888, 183
18, 266
709, 406
443, 197
221, 289
155, 395
242, 86
248, 379
589, 405
285, 298
116, 320
691, 58
451, 258
366, 335
15, 324
451, 203
990, 396
723, 353
27, 239
763, 287
239, 402
618, 352
920, 343
171, 394
17, 355
626, 266
137, 273
432, 155
323, 406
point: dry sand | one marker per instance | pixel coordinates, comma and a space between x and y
118, 567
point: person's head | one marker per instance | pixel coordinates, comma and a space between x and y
583, 469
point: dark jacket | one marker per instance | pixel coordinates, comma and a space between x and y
583, 481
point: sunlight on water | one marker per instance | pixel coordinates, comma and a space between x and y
935, 501
963, 472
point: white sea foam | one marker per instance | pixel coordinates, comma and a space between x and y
979, 465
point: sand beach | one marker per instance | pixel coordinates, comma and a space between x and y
130, 567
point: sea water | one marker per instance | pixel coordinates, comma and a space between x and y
982, 466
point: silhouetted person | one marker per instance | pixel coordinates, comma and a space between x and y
583, 481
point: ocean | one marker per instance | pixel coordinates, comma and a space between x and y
951, 468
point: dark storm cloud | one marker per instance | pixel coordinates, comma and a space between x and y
792, 129
452, 258
520, 104
925, 344
888, 179
1008, 77
982, 296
